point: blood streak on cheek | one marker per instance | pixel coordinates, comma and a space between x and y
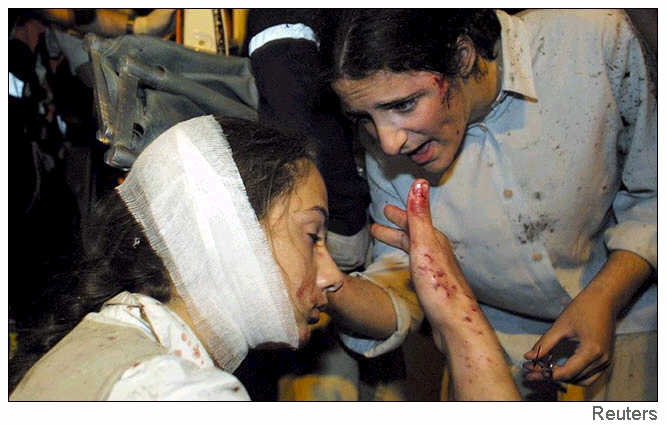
301, 291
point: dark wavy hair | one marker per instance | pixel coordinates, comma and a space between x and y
117, 257
400, 40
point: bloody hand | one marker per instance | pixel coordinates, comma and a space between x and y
441, 288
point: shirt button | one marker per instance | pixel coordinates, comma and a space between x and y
507, 193
537, 256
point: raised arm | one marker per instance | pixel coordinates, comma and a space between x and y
460, 329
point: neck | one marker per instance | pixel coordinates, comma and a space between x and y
177, 306
487, 89
487, 86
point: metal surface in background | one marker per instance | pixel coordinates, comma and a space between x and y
143, 85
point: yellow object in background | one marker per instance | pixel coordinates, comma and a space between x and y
239, 23
316, 388
13, 344
573, 393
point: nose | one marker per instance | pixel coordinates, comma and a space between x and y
329, 276
391, 137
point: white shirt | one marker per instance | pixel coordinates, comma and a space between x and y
185, 373
561, 171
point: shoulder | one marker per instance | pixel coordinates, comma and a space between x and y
567, 36
600, 23
87, 361
573, 17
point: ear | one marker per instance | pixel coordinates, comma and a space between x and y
466, 55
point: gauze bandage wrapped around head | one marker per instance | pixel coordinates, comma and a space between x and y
186, 192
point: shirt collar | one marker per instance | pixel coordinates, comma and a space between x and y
516, 57
158, 322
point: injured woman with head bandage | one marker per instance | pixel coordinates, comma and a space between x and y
213, 244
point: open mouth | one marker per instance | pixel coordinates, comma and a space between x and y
423, 154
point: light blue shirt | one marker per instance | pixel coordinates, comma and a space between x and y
561, 171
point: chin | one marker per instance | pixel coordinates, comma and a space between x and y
304, 335
435, 167
441, 164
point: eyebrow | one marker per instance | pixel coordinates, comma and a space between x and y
324, 213
385, 105
392, 103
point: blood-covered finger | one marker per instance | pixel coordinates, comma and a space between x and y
418, 212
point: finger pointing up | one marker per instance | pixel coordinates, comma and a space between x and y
419, 212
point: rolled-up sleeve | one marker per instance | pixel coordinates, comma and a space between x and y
636, 205
373, 347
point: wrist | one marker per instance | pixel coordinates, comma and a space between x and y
460, 317
604, 295
466, 336
615, 284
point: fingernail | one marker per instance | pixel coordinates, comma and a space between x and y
418, 199
421, 189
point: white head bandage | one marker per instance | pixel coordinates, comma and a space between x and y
186, 192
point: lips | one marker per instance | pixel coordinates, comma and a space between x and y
423, 154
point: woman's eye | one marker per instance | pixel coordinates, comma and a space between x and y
315, 237
405, 106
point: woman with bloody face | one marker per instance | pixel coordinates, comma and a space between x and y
213, 245
537, 133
